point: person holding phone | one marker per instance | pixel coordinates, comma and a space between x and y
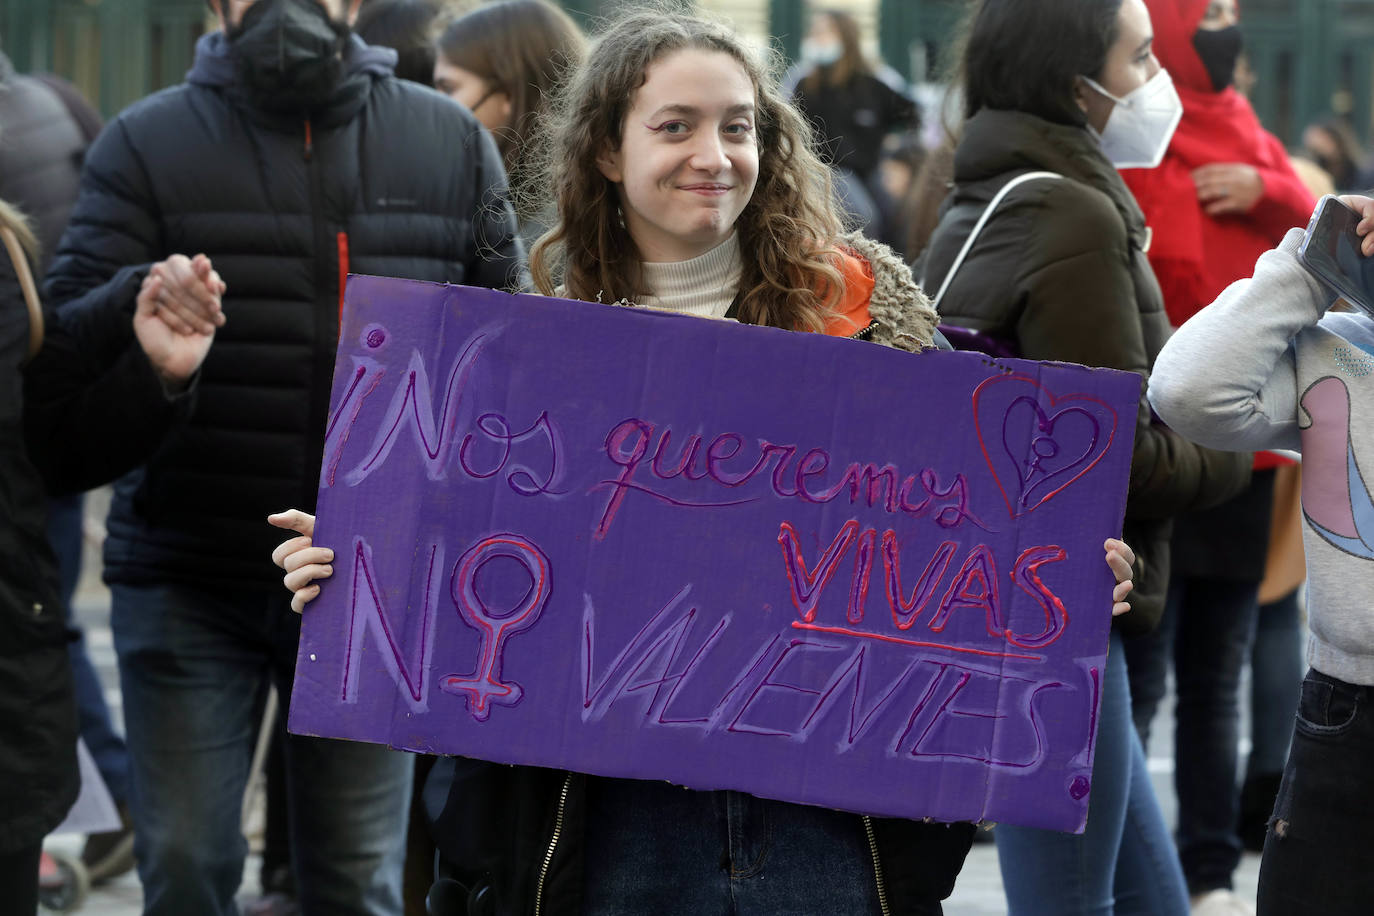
1224, 193
1267, 366
1332, 252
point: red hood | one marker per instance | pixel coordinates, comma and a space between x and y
1175, 23
1196, 256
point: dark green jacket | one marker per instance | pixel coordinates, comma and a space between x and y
1060, 273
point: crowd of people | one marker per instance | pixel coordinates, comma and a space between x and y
170, 299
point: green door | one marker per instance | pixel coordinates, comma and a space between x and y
1311, 58
916, 35
114, 51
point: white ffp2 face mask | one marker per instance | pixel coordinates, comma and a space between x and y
1141, 125
821, 53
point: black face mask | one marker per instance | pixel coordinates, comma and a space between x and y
288, 53
1219, 50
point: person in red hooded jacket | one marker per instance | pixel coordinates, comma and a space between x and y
1224, 194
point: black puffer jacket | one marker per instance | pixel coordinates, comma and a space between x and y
1060, 272
387, 178
85, 420
42, 146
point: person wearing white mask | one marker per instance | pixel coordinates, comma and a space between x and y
1224, 195
854, 103
1041, 253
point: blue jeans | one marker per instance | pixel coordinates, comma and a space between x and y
1208, 628
106, 747
194, 664
1124, 861
656, 848
1320, 846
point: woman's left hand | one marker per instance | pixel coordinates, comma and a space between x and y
302, 560
1228, 187
1120, 558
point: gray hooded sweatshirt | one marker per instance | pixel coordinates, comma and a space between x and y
1266, 366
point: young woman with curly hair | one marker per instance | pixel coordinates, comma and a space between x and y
684, 181
674, 142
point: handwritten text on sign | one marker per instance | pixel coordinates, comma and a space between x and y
644, 545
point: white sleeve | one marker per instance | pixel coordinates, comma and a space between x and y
1227, 378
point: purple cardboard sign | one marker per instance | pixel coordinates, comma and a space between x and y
645, 545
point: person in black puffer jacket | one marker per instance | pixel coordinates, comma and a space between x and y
288, 178
67, 420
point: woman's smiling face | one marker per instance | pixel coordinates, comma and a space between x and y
688, 157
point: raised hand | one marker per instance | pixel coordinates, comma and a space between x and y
303, 562
188, 297
178, 310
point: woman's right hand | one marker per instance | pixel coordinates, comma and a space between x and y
1365, 207
303, 562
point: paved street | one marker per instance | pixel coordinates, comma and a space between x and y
979, 892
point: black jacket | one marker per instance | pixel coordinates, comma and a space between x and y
85, 419
853, 119
42, 145
519, 834
388, 177
1060, 271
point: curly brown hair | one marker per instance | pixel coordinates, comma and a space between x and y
786, 231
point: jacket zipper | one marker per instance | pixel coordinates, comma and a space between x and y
877, 866
553, 845
865, 333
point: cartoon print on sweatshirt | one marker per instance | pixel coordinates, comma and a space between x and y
1335, 499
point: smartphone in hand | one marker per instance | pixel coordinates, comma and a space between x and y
1331, 252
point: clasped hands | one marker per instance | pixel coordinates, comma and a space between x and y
179, 307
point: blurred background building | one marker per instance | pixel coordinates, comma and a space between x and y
1307, 58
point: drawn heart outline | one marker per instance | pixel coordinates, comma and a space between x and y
994, 402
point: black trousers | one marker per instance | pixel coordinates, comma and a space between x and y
1319, 852
19, 879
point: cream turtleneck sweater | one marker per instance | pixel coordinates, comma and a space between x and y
703, 286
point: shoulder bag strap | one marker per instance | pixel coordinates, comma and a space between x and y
982, 221
21, 270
